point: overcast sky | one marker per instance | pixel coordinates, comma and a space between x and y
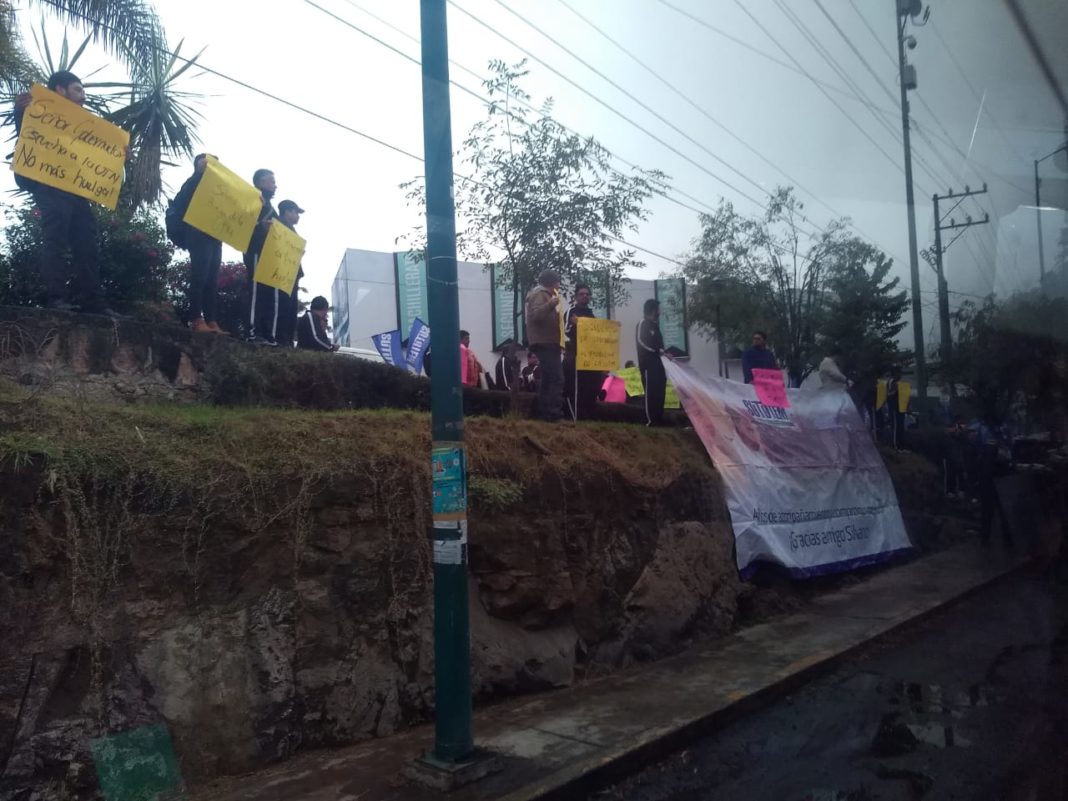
842, 158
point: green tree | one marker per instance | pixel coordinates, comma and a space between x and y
865, 312
765, 274
1013, 358
540, 196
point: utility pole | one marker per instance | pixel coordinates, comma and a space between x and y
907, 75
939, 251
454, 760
1038, 215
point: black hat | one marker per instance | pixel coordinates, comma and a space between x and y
289, 205
319, 303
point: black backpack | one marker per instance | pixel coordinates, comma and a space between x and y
175, 226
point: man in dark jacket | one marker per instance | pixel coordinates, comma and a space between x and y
757, 357
264, 301
67, 222
650, 343
543, 332
506, 373
289, 213
311, 328
580, 386
205, 258
530, 375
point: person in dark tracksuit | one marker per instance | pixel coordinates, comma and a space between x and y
580, 386
650, 344
67, 222
289, 213
205, 258
311, 328
264, 302
506, 374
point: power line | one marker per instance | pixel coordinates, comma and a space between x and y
796, 68
531, 107
844, 75
627, 93
296, 106
818, 85
885, 89
698, 108
948, 138
601, 102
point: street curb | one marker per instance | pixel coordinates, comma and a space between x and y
584, 778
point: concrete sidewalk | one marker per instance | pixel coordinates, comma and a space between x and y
564, 743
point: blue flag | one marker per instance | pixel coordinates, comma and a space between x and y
389, 346
418, 345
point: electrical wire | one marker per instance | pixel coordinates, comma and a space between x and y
689, 101
819, 86
796, 68
606, 105
531, 107
948, 139
842, 73
627, 93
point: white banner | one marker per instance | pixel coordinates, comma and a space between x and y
805, 485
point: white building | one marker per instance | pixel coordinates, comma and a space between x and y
368, 299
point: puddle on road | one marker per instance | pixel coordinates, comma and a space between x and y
938, 736
924, 714
933, 698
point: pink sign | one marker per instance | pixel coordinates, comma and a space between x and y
615, 390
770, 388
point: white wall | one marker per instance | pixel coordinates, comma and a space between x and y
367, 279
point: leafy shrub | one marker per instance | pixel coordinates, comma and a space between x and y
135, 262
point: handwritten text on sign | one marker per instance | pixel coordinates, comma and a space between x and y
770, 387
64, 146
598, 344
280, 259
224, 206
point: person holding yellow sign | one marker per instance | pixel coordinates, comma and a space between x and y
205, 255
62, 170
580, 386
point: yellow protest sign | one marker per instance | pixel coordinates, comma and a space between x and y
671, 398
880, 394
224, 206
633, 377
280, 259
64, 146
598, 344
904, 389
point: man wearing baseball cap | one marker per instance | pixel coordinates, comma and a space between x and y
311, 330
289, 303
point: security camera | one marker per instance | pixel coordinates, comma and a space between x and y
910, 42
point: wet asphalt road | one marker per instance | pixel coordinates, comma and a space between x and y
971, 703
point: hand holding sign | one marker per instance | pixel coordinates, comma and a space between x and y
225, 206
64, 146
278, 263
770, 388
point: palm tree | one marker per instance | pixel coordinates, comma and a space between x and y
128, 28
160, 119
